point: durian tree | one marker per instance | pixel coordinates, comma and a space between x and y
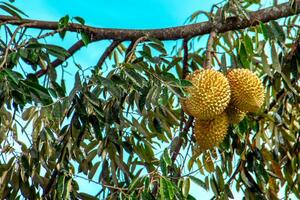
146, 121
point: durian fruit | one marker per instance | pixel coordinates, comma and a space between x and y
247, 91
210, 133
235, 116
209, 95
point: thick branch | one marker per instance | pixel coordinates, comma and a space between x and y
174, 33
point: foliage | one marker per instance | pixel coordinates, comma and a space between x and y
119, 128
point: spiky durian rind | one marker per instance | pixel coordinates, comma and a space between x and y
247, 91
209, 95
210, 133
183, 106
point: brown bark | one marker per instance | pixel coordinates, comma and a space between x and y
173, 33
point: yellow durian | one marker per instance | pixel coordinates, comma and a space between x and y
209, 94
210, 133
183, 106
247, 91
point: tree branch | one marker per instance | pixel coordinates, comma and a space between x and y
107, 52
187, 127
210, 42
131, 48
57, 62
8, 46
188, 124
173, 33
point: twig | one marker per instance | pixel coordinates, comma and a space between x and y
236, 171
51, 33
185, 157
185, 58
184, 73
188, 125
131, 48
57, 62
107, 52
190, 121
217, 59
8, 45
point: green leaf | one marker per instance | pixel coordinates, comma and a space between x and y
275, 60
14, 8
134, 184
228, 191
289, 84
163, 189
266, 66
190, 197
110, 85
278, 31
85, 196
185, 83
12, 75
85, 38
60, 186
68, 189
134, 76
264, 30
220, 179
163, 167
159, 48
244, 56
40, 92
198, 182
93, 170
248, 44
80, 20
54, 50
208, 163
214, 185
63, 23
171, 189
167, 157
10, 11
27, 113
157, 125
186, 187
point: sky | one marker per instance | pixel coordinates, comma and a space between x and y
115, 14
